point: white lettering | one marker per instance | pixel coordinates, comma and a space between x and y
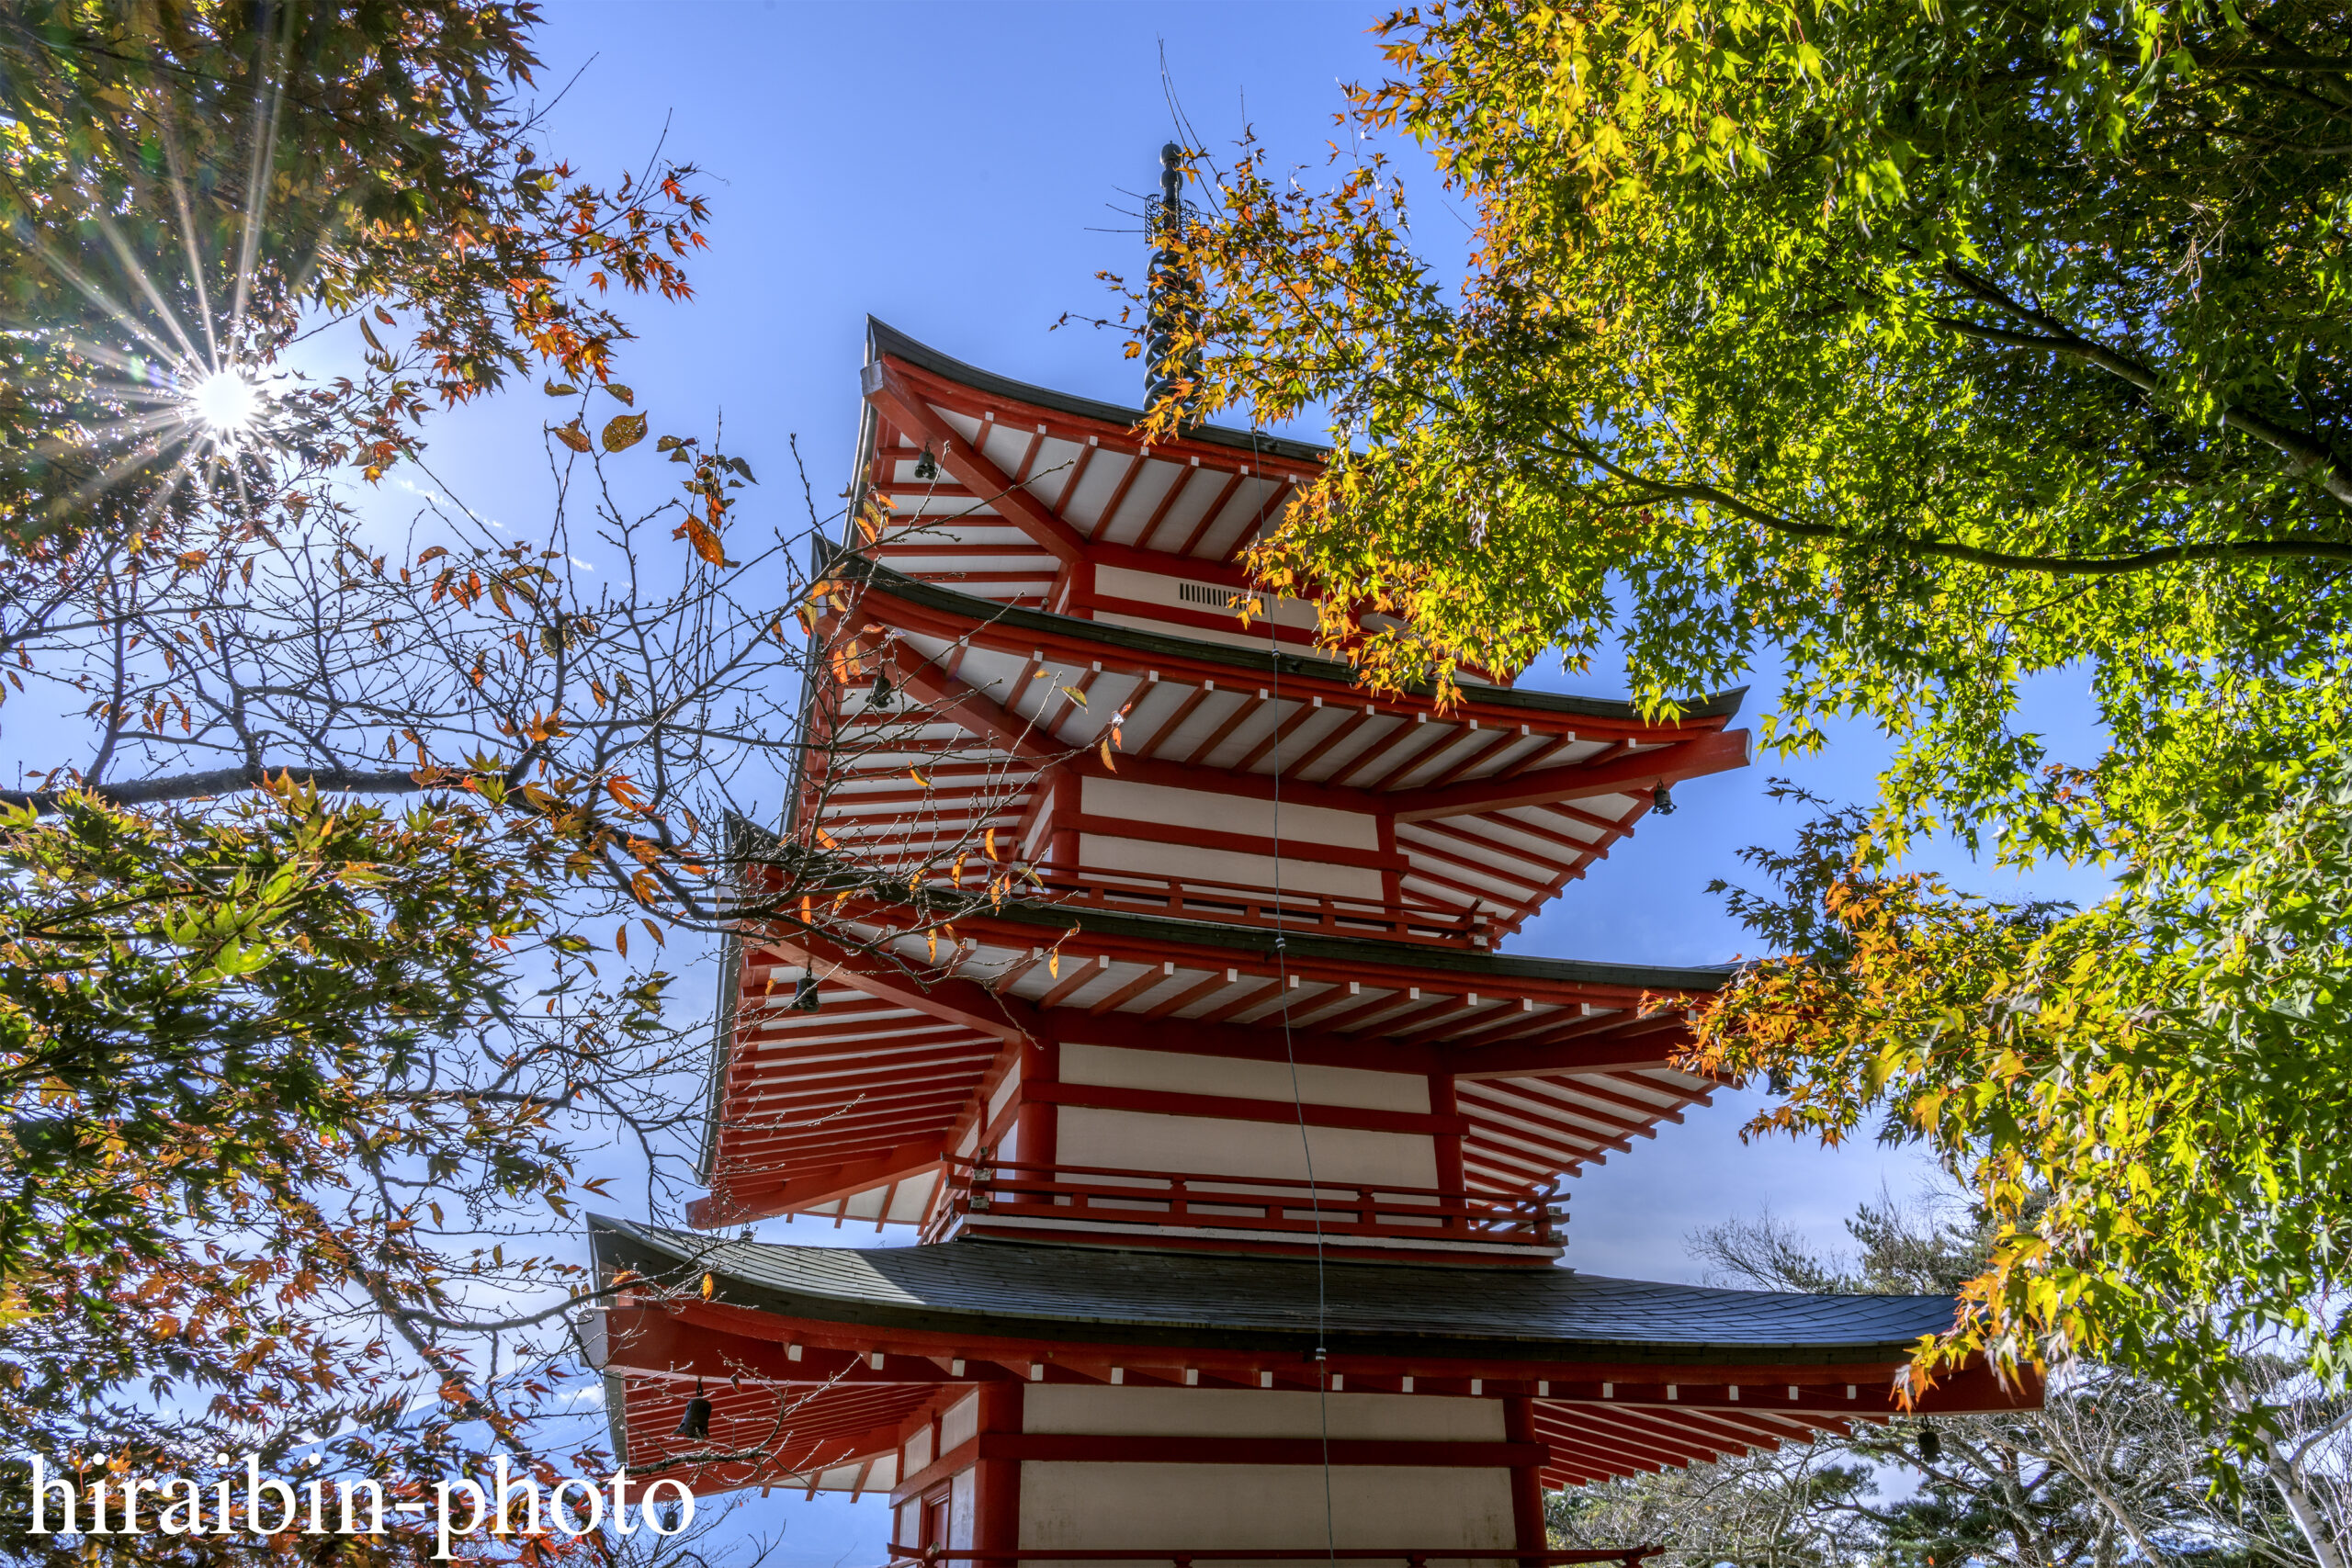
343, 1495
507, 1489
42, 1487
620, 1502
189, 1508
685, 1514
288, 1505
590, 1505
441, 1490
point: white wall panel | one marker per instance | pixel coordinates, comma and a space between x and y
1208, 811
962, 1495
1256, 1413
1146, 1506
1183, 861
1178, 1072
1131, 1140
958, 1422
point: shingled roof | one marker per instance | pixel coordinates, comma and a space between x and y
1207, 1299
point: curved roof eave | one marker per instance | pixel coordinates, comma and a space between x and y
1369, 950
883, 338
1036, 1290
1720, 705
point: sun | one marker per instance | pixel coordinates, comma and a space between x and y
225, 403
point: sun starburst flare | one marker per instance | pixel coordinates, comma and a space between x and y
226, 403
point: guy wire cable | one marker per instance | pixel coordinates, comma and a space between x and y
1290, 1055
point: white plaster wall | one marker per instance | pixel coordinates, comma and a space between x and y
958, 1422
1179, 1072
908, 1200
1207, 812
1126, 1412
918, 1451
1199, 634
1003, 1095
964, 1490
1181, 860
1157, 588
1161, 1506
1134, 1140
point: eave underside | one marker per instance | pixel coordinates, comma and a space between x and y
1485, 811
813, 1363
852, 1108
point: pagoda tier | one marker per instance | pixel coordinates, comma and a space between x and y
1139, 1049
1156, 770
1034, 497
1064, 1398
1144, 965
1062, 602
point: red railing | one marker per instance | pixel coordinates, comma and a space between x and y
1410, 919
1338, 1210
1413, 1557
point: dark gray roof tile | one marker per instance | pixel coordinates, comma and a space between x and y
1100, 1293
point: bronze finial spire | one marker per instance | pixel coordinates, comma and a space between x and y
1172, 301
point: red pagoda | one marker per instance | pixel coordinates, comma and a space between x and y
1231, 1144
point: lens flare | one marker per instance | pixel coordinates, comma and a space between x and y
225, 401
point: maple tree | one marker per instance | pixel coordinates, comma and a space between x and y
317, 1008
192, 189
1922, 353
2109, 1467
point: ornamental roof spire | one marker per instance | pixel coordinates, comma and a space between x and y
1173, 290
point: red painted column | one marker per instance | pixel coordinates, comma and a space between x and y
1443, 1102
1063, 851
1037, 1131
1526, 1482
996, 1482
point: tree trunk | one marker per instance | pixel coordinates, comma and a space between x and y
2287, 1476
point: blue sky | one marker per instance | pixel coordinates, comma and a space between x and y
960, 172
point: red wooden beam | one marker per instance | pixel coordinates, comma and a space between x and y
1500, 743
1519, 1060
1339, 733
1141, 746
959, 1001
1275, 500
1414, 727
1710, 753
1231, 1108
1069, 485
979, 714
1239, 843
1823, 1385
1197, 756
1505, 1100
737, 1203
1568, 1085
1573, 1112
1208, 518
1136, 988
1110, 514
1073, 646
1091, 1449
1307, 709
1078, 429
906, 405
